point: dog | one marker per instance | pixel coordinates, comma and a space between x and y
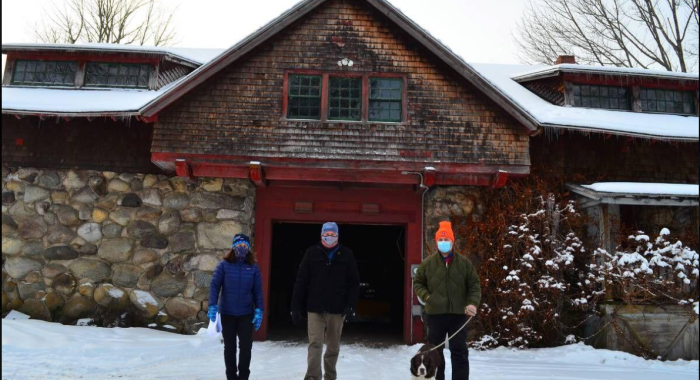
424, 366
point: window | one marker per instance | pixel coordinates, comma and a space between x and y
117, 75
345, 99
385, 100
44, 73
304, 97
605, 97
667, 101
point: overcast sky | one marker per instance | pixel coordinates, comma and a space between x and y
478, 30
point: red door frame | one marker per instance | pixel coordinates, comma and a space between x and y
291, 204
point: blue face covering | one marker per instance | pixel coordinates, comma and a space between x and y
241, 252
330, 241
445, 246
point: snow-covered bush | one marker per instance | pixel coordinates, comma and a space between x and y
532, 281
652, 271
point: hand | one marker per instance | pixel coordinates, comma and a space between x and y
297, 317
213, 310
349, 314
471, 311
257, 319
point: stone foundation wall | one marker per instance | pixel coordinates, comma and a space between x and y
121, 249
460, 205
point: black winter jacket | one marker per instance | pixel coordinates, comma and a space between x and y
326, 287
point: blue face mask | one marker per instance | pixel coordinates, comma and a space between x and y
330, 241
445, 246
241, 251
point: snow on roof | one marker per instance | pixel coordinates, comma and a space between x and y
585, 119
84, 102
197, 56
572, 68
649, 189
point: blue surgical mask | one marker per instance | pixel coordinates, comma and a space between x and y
330, 241
445, 246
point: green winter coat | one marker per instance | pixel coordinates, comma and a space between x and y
447, 290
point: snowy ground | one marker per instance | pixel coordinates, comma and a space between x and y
40, 350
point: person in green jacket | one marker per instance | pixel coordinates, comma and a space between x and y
451, 289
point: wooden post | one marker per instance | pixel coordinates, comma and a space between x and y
569, 94
9, 72
636, 99
80, 74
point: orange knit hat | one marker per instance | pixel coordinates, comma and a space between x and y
445, 231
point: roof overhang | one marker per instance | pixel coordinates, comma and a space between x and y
554, 71
100, 49
635, 198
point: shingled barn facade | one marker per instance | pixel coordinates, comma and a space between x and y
338, 110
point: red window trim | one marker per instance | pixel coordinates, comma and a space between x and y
325, 75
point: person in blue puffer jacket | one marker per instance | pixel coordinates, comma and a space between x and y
240, 305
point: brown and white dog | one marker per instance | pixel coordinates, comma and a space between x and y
424, 366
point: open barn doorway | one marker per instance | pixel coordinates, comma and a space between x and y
380, 253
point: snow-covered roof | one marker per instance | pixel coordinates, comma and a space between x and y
196, 56
546, 114
637, 193
670, 189
84, 102
547, 71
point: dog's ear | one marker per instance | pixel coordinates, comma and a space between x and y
415, 363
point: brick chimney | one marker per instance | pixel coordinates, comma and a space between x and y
566, 59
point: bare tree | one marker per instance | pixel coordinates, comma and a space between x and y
108, 21
624, 33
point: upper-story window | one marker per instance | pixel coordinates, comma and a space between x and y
304, 97
385, 99
345, 97
605, 97
44, 73
123, 75
667, 101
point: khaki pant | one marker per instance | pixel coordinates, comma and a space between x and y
324, 328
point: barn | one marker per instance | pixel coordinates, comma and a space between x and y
127, 170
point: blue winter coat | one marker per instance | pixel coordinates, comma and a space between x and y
241, 289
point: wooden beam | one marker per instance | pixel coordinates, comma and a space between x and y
430, 176
500, 180
183, 168
257, 175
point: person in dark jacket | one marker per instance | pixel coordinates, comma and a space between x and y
451, 289
326, 291
240, 305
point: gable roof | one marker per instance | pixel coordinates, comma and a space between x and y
303, 8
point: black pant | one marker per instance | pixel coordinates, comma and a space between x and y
237, 330
440, 326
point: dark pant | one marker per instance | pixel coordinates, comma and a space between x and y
440, 326
237, 330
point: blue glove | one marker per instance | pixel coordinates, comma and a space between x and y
213, 309
257, 319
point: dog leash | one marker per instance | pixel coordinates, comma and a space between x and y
450, 338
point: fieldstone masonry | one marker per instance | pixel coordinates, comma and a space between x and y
123, 249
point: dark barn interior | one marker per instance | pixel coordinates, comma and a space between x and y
380, 254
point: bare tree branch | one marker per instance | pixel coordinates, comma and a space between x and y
625, 33
108, 21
